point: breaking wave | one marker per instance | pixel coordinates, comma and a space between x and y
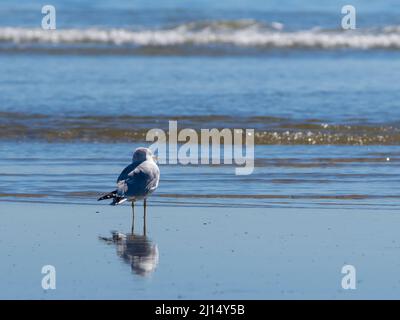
236, 34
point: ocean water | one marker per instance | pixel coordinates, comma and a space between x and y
322, 101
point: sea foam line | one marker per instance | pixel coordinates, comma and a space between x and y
246, 36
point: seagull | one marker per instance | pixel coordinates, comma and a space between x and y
137, 181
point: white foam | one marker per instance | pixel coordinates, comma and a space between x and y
242, 35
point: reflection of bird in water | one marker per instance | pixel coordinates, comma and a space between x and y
137, 181
138, 251
135, 249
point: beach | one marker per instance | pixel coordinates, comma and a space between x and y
218, 253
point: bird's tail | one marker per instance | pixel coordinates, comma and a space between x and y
113, 195
110, 195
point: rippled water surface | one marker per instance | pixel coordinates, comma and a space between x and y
284, 176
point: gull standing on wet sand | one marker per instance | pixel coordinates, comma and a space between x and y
137, 181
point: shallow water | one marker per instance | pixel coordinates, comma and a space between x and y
284, 176
190, 253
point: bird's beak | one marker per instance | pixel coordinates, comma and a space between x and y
155, 158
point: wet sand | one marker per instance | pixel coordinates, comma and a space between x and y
197, 252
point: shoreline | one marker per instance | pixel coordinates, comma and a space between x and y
275, 253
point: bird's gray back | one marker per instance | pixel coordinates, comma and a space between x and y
124, 174
140, 181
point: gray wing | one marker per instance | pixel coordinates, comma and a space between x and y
124, 174
141, 181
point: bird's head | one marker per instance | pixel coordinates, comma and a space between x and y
143, 154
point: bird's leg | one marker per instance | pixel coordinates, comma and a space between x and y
144, 216
133, 217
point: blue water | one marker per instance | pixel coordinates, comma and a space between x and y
332, 88
335, 97
294, 13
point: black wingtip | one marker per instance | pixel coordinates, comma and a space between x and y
110, 195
